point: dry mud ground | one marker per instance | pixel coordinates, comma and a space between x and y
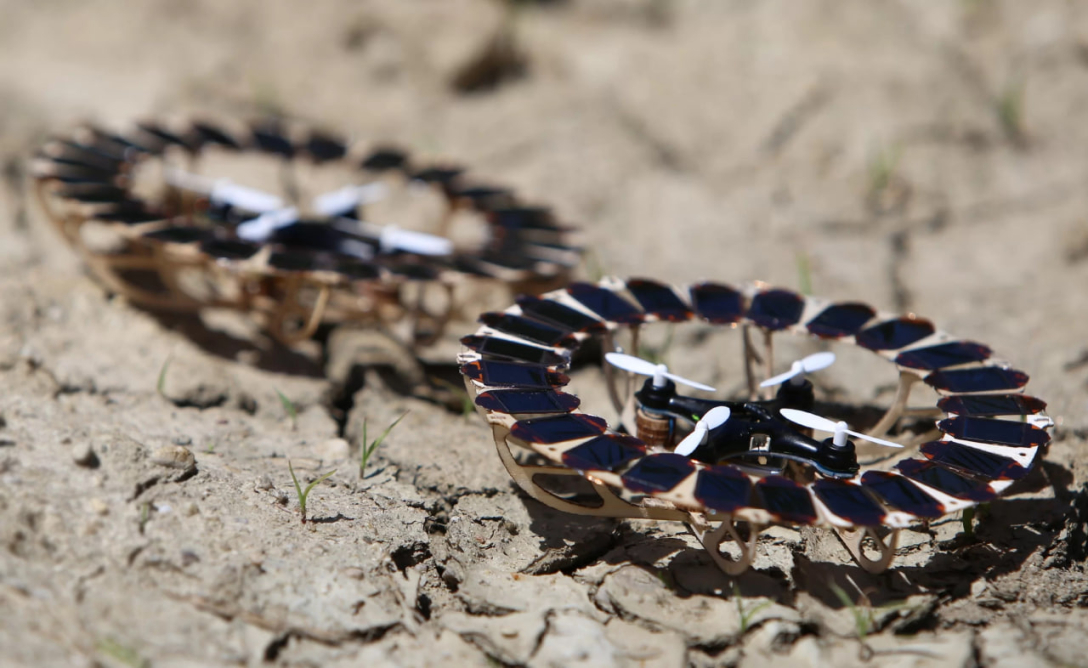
922, 156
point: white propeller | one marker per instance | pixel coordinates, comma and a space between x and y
659, 371
814, 362
393, 238
260, 228
224, 191
348, 198
713, 419
838, 429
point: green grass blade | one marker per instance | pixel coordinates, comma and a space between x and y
289, 408
160, 387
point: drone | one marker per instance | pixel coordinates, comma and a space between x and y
727, 430
729, 467
172, 235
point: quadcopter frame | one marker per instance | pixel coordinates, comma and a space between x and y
513, 370
89, 177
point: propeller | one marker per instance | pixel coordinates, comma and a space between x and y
646, 368
224, 191
274, 215
348, 198
814, 362
260, 228
806, 419
713, 419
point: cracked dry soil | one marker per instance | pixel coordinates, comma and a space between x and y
927, 157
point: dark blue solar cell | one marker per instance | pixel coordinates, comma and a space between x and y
945, 480
481, 195
163, 135
658, 473
317, 236
604, 453
719, 304
527, 401
523, 218
323, 148
1000, 432
559, 428
786, 500
106, 149
513, 374
68, 173
129, 216
894, 334
723, 488
78, 154
658, 299
496, 347
209, 134
849, 502
982, 379
554, 313
991, 405
230, 250
605, 303
357, 270
527, 329
110, 141
270, 139
385, 159
77, 162
179, 235
901, 494
440, 175
411, 270
943, 355
293, 260
974, 461
511, 256
839, 320
776, 309
95, 193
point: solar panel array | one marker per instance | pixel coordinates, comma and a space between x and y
992, 431
89, 175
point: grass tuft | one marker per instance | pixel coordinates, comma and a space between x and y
303, 494
370, 448
882, 169
288, 408
467, 405
1009, 107
804, 273
863, 615
160, 386
122, 653
746, 615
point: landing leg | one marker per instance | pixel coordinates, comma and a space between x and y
726, 530
899, 404
853, 540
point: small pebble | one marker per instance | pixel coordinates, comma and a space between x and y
183, 440
98, 506
191, 509
332, 450
83, 454
175, 457
264, 483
